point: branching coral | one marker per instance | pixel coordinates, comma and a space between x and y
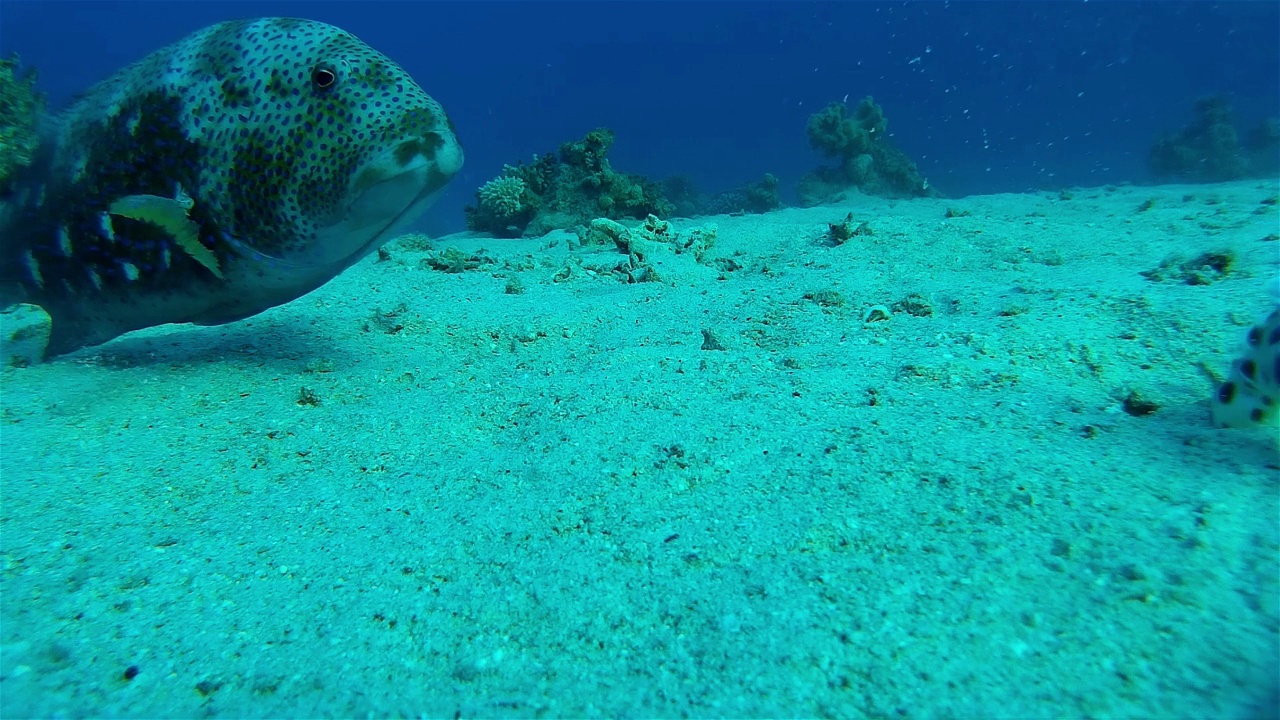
504, 207
503, 195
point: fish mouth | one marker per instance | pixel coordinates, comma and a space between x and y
434, 182
388, 195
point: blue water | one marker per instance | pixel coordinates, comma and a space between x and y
986, 97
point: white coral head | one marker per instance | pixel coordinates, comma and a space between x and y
503, 195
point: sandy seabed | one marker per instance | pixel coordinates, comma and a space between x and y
959, 466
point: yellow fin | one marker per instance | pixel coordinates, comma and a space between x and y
169, 214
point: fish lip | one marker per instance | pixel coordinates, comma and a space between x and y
413, 206
442, 166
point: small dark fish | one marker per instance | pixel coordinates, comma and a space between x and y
233, 171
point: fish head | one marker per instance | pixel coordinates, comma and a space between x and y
335, 149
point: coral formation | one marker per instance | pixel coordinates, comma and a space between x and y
564, 191
835, 134
1208, 149
841, 232
24, 334
20, 107
641, 244
683, 193
506, 205
867, 159
756, 198
1262, 147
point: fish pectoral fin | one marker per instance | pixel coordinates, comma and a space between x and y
169, 214
188, 238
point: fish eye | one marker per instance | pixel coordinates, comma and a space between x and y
323, 77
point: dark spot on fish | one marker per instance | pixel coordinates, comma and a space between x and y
1250, 369
427, 145
235, 93
1227, 393
1256, 415
276, 86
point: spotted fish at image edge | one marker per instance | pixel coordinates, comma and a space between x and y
1251, 392
235, 170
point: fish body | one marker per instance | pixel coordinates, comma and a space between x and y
1250, 395
233, 171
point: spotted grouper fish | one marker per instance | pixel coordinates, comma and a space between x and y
233, 171
1250, 395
